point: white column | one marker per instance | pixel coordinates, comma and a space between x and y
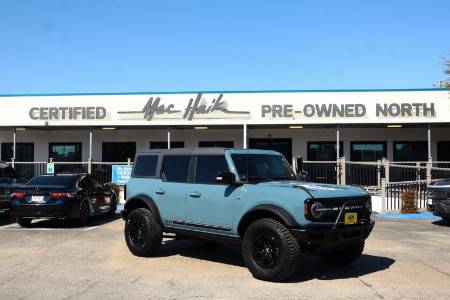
429, 142
168, 137
244, 138
90, 144
14, 144
337, 142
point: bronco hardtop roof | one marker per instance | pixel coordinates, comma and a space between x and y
201, 151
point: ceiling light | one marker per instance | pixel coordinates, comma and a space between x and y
109, 128
200, 127
394, 126
296, 126
21, 129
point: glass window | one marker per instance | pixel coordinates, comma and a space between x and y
70, 152
175, 168
61, 180
262, 167
411, 151
24, 151
145, 165
163, 145
323, 151
284, 146
367, 151
216, 144
208, 167
118, 151
443, 150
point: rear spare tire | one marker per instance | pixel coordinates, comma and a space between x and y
270, 251
143, 233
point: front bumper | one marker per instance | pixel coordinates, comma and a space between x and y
64, 210
329, 235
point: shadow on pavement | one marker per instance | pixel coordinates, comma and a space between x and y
5, 219
441, 223
310, 266
61, 223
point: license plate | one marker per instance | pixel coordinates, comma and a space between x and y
37, 199
430, 201
350, 218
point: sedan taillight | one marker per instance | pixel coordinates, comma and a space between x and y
18, 195
59, 195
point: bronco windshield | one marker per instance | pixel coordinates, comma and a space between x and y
254, 167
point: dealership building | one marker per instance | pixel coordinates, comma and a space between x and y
362, 125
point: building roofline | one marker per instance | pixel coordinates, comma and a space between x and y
230, 92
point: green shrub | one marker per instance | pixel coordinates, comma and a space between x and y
408, 198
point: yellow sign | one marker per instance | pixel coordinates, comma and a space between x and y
351, 218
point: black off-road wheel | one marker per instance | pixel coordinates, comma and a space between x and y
112, 206
83, 219
342, 255
24, 222
446, 220
143, 233
270, 251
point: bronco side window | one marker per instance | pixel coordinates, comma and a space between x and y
175, 168
145, 166
208, 167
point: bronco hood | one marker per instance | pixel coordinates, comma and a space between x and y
319, 190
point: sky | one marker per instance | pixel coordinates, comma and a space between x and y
86, 46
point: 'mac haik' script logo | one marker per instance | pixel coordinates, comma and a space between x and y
197, 106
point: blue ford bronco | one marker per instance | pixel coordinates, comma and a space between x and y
249, 197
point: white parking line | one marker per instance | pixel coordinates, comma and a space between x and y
89, 228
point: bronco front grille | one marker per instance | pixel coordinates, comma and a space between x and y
332, 207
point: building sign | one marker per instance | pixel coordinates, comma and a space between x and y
422, 106
120, 174
50, 168
67, 113
201, 108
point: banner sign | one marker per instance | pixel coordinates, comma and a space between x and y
120, 174
369, 107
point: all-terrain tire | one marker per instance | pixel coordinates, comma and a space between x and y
342, 255
24, 222
270, 251
143, 233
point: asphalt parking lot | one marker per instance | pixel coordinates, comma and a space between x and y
404, 259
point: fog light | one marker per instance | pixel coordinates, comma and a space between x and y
368, 205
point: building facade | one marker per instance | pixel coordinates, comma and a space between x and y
365, 125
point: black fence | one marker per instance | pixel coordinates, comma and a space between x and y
321, 172
363, 174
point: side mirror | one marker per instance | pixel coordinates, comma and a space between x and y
301, 174
226, 177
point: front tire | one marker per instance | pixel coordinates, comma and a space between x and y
83, 219
342, 255
270, 251
143, 233
24, 222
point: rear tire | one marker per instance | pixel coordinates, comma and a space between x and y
143, 233
270, 251
342, 255
83, 219
112, 207
24, 222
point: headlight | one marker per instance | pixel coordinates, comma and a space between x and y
315, 210
368, 205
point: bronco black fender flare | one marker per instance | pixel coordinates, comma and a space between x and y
141, 201
266, 210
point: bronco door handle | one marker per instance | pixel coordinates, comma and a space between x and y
160, 192
195, 194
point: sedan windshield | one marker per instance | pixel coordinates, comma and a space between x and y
62, 180
253, 167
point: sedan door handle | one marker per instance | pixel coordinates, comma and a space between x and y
195, 194
160, 191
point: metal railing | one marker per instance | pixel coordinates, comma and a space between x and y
393, 193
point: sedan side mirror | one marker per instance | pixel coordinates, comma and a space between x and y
226, 177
